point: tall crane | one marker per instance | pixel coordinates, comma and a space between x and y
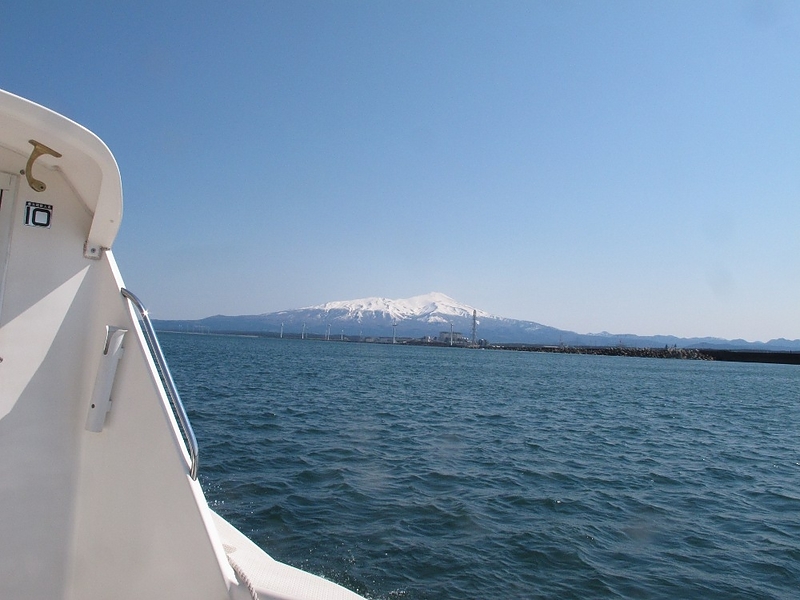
474, 327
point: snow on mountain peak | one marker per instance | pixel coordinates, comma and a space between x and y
433, 306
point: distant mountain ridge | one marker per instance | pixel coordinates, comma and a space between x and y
434, 308
430, 314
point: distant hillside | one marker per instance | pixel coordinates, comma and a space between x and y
428, 316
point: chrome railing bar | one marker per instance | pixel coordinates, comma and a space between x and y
169, 384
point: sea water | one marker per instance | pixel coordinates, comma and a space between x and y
449, 473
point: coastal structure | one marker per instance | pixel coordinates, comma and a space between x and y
451, 337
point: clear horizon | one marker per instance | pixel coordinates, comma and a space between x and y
622, 166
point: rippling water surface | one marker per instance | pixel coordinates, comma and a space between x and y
418, 472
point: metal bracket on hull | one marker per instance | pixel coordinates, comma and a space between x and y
38, 149
93, 252
104, 382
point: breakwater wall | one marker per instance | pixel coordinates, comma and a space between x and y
675, 353
782, 358
785, 358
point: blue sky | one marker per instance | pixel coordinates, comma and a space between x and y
624, 166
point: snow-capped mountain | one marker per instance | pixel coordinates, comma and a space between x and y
422, 316
428, 316
431, 308
419, 316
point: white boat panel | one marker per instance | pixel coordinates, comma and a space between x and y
108, 510
43, 333
147, 528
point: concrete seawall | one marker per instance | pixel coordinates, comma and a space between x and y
786, 358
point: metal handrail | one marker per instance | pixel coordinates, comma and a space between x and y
166, 377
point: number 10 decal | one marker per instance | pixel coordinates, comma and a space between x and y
38, 215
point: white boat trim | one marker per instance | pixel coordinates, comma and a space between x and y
80, 149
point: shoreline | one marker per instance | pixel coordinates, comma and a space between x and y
784, 357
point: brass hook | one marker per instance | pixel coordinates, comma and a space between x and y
38, 150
